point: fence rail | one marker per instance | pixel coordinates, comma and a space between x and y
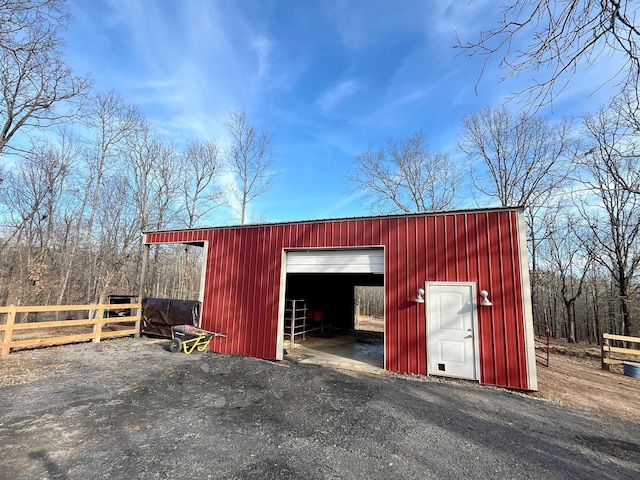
607, 349
96, 319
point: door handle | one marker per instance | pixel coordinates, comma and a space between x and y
469, 336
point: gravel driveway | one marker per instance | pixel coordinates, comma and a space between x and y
128, 409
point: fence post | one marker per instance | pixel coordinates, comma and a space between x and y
547, 334
143, 278
138, 320
604, 366
8, 331
97, 327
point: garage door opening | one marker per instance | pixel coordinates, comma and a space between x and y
172, 286
320, 323
174, 270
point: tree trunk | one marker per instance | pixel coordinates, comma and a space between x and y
571, 322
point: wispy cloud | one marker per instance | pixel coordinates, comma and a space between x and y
333, 97
186, 61
361, 25
339, 208
327, 78
262, 46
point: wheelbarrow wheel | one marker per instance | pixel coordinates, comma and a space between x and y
175, 345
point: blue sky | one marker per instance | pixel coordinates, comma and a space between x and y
327, 78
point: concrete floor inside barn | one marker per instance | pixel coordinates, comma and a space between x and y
358, 351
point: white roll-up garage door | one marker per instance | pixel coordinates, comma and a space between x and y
354, 260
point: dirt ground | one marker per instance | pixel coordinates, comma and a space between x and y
129, 408
371, 324
574, 378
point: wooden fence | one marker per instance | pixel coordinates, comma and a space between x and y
607, 349
66, 331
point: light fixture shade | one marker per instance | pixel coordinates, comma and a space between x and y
485, 299
419, 298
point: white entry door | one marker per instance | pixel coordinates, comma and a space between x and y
451, 330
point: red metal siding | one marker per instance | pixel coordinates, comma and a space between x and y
244, 268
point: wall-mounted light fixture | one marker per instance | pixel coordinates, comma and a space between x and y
485, 299
419, 298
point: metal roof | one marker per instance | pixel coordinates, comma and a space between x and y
339, 219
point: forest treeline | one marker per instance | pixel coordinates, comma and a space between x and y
75, 202
83, 173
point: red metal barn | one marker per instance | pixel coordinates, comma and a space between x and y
452, 256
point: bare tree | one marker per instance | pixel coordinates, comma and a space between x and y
73, 209
111, 121
522, 156
200, 173
251, 158
623, 167
33, 76
519, 161
53, 168
69, 220
557, 38
540, 220
566, 255
201, 192
523, 161
164, 208
405, 176
36, 190
20, 204
597, 280
151, 166
118, 234
612, 212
